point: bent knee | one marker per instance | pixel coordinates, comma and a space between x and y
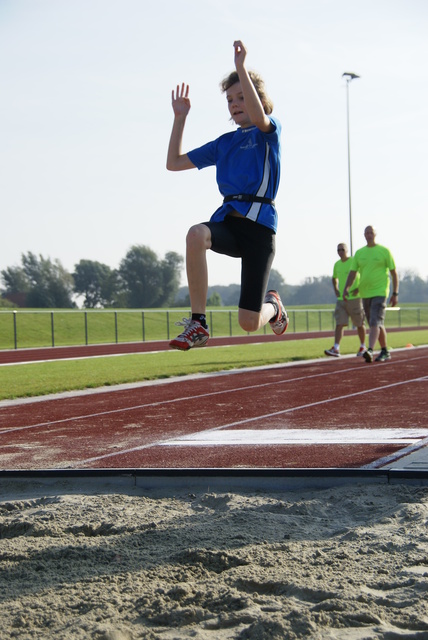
249, 323
199, 236
250, 327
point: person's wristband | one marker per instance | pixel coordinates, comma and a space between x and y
395, 293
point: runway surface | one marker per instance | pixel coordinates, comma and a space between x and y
321, 414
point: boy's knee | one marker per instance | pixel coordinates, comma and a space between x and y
198, 236
250, 327
249, 323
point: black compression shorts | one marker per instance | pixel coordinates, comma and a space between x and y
255, 245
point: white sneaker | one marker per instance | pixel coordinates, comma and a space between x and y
332, 352
362, 351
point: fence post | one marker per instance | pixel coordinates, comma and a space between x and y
86, 327
230, 323
144, 326
15, 335
167, 325
211, 324
52, 329
115, 327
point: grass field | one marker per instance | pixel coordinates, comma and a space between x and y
37, 379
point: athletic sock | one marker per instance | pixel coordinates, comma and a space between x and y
276, 314
200, 317
337, 346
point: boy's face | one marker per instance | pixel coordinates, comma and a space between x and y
236, 105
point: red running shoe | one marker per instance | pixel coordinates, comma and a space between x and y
194, 335
279, 324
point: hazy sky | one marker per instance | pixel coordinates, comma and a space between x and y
85, 104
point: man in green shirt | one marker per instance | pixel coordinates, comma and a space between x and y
345, 309
374, 264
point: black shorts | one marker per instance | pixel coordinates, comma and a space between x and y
255, 245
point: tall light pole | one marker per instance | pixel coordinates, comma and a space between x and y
349, 77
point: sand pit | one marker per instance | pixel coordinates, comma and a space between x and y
349, 562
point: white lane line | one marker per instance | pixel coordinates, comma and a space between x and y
198, 396
246, 437
107, 390
265, 416
180, 399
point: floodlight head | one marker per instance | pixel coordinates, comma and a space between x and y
349, 76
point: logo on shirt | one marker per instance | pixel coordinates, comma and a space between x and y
249, 145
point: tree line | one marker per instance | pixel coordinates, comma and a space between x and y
143, 280
318, 290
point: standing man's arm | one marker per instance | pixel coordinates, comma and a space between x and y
350, 279
394, 296
335, 283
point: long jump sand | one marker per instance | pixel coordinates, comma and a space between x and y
348, 562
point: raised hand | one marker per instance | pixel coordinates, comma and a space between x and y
240, 53
180, 100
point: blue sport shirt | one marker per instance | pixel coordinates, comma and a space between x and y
247, 161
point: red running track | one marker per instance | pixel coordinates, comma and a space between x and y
10, 356
328, 413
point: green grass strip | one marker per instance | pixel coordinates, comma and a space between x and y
27, 328
36, 379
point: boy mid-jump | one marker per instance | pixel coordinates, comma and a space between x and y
247, 163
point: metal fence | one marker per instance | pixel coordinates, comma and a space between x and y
27, 329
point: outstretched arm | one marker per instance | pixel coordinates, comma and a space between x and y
252, 101
176, 160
